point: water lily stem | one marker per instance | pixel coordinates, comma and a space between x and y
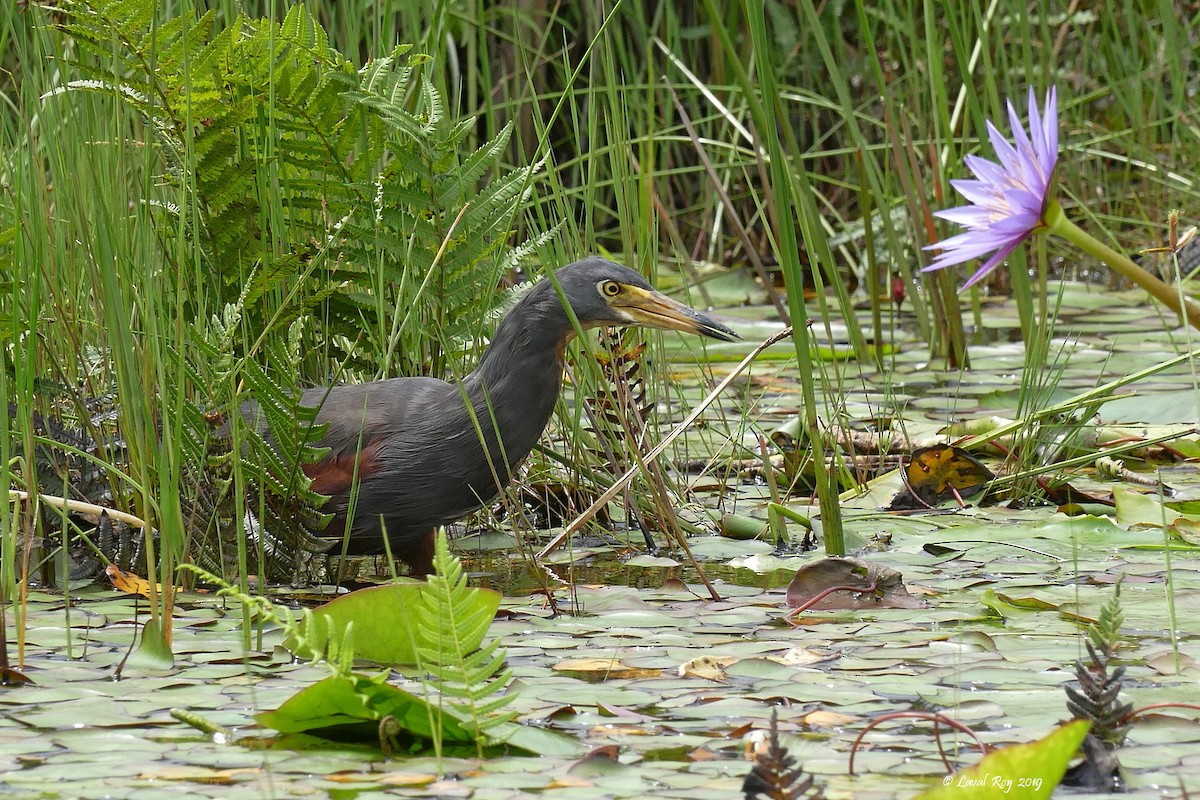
1058, 224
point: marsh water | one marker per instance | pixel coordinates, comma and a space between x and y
638, 659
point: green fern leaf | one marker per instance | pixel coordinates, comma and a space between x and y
471, 683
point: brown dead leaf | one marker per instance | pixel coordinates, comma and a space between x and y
386, 778
195, 774
608, 731
127, 582
1068, 498
403, 779
604, 668
740, 730
11, 677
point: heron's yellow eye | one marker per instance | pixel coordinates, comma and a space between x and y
610, 288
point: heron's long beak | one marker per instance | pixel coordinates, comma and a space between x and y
652, 309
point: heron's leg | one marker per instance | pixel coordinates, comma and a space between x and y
419, 556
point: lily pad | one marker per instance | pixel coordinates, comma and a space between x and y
344, 704
1029, 771
381, 621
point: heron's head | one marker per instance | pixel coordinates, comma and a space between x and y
604, 293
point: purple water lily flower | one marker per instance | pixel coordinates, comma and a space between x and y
1009, 199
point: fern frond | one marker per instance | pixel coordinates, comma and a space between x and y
365, 175
337, 650
471, 683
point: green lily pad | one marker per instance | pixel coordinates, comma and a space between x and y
1180, 406
1135, 508
1006, 606
1056, 536
1029, 771
153, 653
344, 704
353, 707
718, 547
381, 620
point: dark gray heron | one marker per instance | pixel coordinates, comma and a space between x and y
414, 445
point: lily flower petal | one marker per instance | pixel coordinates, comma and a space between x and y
1008, 199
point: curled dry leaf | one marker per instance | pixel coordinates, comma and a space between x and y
708, 667
942, 472
601, 761
127, 582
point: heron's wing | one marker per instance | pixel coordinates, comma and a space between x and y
362, 419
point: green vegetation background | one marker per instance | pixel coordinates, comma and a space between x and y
202, 202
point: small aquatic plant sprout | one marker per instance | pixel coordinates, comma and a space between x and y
1013, 200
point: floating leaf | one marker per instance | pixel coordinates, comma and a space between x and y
154, 652
383, 620
1135, 508
600, 669
1006, 606
848, 583
1029, 771
353, 707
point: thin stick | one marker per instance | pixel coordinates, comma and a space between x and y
615, 489
80, 507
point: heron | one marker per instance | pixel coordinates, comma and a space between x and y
418, 452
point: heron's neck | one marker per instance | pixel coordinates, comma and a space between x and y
519, 377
